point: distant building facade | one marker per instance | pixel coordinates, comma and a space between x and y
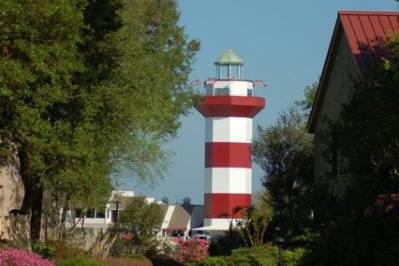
177, 220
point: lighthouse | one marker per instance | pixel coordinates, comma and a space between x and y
228, 107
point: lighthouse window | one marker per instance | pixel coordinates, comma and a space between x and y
222, 91
224, 71
235, 73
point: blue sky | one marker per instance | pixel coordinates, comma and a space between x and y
282, 42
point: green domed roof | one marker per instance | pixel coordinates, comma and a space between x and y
229, 57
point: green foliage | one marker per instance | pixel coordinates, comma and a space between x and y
256, 219
99, 90
306, 104
215, 261
43, 250
142, 220
284, 151
231, 240
293, 257
80, 261
266, 255
63, 250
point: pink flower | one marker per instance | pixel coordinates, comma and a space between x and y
127, 236
21, 257
191, 250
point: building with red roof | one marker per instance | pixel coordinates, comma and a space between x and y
355, 48
353, 51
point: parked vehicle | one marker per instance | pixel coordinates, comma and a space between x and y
208, 238
200, 237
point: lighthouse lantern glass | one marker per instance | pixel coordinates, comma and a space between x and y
229, 71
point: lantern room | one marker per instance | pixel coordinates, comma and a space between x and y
229, 66
229, 77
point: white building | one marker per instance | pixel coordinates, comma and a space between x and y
178, 220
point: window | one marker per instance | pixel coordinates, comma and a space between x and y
235, 72
222, 91
78, 213
91, 213
224, 72
100, 214
230, 71
249, 92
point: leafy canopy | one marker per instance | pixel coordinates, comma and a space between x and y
143, 220
87, 88
284, 152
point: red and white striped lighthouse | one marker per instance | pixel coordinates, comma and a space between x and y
228, 107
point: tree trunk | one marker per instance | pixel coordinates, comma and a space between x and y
103, 243
36, 215
62, 222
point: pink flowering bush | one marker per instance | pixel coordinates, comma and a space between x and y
21, 257
191, 250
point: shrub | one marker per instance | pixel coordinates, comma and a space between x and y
63, 251
293, 257
115, 261
80, 261
215, 261
191, 250
21, 257
225, 245
43, 250
257, 256
139, 225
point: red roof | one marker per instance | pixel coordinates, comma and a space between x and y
365, 31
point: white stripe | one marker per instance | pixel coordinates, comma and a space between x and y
228, 180
228, 129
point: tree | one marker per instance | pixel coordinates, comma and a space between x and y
165, 200
252, 228
306, 104
38, 64
284, 151
143, 221
186, 201
101, 89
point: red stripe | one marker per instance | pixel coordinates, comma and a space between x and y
225, 205
228, 154
230, 106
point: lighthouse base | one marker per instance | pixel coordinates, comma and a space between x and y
217, 226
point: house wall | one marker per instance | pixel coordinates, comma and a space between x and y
338, 91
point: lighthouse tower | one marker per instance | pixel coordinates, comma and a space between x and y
228, 107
